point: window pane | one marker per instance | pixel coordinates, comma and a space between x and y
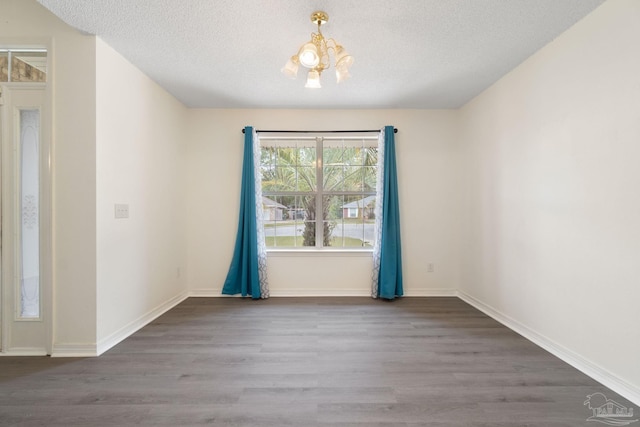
283, 235
349, 167
4, 66
284, 179
306, 179
286, 156
333, 178
279, 221
370, 177
28, 66
332, 168
352, 156
308, 231
350, 220
334, 205
289, 166
370, 156
273, 209
289, 221
267, 167
296, 212
333, 155
353, 178
29, 214
307, 155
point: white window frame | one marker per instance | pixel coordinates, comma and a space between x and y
320, 193
13, 50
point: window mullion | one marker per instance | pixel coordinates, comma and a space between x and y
9, 65
319, 194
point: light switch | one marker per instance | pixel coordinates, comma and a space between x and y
122, 211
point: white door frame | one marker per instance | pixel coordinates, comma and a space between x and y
10, 324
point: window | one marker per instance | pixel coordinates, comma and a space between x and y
23, 65
319, 191
29, 195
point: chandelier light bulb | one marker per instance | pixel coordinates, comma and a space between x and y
313, 80
342, 74
291, 68
343, 58
309, 55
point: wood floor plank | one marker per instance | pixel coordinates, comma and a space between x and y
305, 362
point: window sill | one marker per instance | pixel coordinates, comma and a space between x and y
340, 253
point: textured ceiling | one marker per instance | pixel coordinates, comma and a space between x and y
408, 53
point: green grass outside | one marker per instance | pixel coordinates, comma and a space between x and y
349, 242
271, 224
291, 241
283, 241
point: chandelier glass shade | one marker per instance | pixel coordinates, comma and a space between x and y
315, 56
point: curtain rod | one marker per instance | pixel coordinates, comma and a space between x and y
395, 130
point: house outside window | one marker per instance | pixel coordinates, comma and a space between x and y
23, 65
319, 192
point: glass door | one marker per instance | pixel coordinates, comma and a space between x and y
24, 157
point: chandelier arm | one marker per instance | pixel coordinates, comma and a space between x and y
323, 53
325, 61
333, 46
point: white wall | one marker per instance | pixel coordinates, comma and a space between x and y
425, 148
551, 205
140, 162
117, 138
71, 81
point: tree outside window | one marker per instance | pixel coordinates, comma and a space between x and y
319, 192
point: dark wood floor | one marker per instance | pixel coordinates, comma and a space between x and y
305, 362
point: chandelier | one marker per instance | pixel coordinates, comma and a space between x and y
314, 55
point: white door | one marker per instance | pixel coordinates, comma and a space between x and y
25, 279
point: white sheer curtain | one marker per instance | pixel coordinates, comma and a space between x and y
378, 216
262, 249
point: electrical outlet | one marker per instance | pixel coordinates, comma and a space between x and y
122, 211
430, 268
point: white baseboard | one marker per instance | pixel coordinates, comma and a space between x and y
129, 329
431, 293
74, 350
329, 293
24, 351
197, 293
589, 368
292, 293
285, 293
